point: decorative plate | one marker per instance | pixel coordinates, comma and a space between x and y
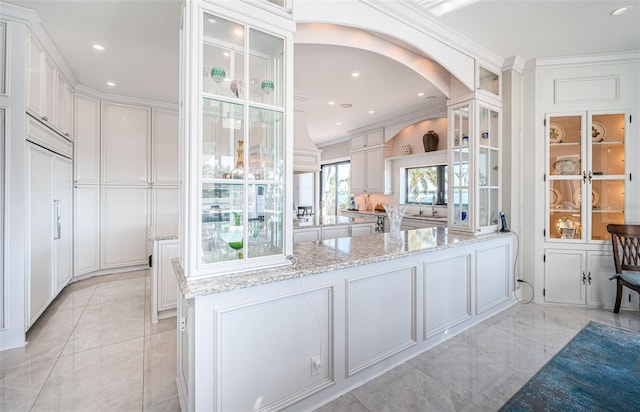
567, 165
598, 132
567, 222
556, 133
554, 197
595, 198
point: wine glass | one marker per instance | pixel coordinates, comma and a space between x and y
267, 87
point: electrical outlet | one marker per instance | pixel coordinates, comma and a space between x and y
316, 365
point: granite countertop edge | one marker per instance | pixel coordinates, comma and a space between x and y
320, 252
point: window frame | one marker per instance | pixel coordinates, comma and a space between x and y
441, 171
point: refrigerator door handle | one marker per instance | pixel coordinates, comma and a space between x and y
57, 217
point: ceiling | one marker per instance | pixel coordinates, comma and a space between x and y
142, 45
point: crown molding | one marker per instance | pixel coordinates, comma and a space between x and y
125, 99
583, 60
515, 63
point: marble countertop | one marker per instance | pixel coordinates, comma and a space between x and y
439, 218
317, 221
310, 258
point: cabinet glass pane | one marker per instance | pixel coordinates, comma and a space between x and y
607, 206
460, 195
266, 68
607, 144
488, 127
222, 222
266, 145
222, 56
265, 219
488, 206
461, 126
222, 140
565, 198
489, 81
565, 145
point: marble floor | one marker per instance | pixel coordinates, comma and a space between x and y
95, 349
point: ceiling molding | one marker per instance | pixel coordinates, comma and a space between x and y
125, 99
515, 63
582, 61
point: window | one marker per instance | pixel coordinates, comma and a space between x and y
426, 184
335, 186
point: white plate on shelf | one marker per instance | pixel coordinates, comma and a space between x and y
554, 197
567, 165
595, 198
556, 133
598, 132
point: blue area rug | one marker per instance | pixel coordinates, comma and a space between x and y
599, 370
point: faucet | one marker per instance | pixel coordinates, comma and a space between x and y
420, 207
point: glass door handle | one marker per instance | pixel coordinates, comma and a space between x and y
584, 278
584, 177
590, 176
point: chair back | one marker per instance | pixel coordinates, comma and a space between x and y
626, 246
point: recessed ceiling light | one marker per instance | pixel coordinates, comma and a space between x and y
331, 103
372, 111
111, 84
225, 54
238, 32
430, 97
620, 10
420, 94
338, 124
211, 20
98, 46
346, 105
355, 74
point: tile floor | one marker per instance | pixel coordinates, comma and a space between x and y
96, 349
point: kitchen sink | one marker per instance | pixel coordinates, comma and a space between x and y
415, 215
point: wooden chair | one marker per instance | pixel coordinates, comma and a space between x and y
626, 256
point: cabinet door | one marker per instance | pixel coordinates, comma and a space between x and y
167, 283
49, 98
375, 137
165, 147
358, 141
306, 235
63, 215
64, 105
601, 291
375, 171
125, 143
358, 172
124, 226
87, 229
35, 80
165, 206
41, 215
334, 232
87, 140
565, 276
362, 230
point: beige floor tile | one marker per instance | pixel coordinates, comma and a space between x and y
160, 369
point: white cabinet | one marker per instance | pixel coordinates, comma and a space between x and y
310, 234
49, 227
87, 140
369, 139
363, 229
87, 229
164, 286
369, 173
581, 278
49, 96
165, 147
334, 232
124, 223
125, 144
165, 206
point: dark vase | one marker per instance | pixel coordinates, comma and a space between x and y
430, 141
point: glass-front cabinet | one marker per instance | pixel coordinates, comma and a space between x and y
585, 175
242, 221
474, 180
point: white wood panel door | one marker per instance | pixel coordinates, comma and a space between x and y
166, 206
564, 276
87, 140
165, 147
358, 172
63, 229
40, 229
335, 232
64, 106
375, 170
124, 225
35, 78
125, 144
87, 229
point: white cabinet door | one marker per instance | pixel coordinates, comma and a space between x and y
601, 291
49, 98
334, 232
358, 141
64, 106
564, 276
165, 207
63, 229
165, 147
362, 229
307, 235
124, 225
164, 286
35, 80
375, 171
87, 229
375, 137
41, 229
358, 172
125, 144
87, 140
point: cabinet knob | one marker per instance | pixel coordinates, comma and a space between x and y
589, 278
584, 278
